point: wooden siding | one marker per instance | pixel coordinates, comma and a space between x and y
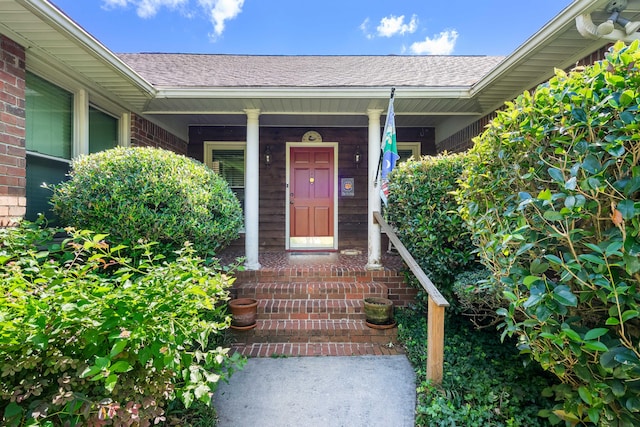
352, 211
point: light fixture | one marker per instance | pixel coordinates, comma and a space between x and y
267, 156
615, 7
357, 156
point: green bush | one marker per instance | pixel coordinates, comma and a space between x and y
478, 297
89, 338
425, 215
551, 195
485, 382
150, 194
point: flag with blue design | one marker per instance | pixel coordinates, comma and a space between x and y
389, 151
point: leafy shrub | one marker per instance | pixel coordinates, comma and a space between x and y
425, 215
485, 382
551, 195
478, 298
150, 194
88, 338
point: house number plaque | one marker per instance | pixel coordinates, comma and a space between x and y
346, 187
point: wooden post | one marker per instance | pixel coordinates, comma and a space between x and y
435, 342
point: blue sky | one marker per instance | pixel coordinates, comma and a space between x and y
313, 27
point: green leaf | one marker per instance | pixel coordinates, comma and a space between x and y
564, 296
612, 321
551, 215
538, 267
585, 395
631, 264
90, 371
544, 195
553, 259
121, 366
110, 382
595, 333
556, 174
627, 209
592, 258
595, 346
629, 314
591, 164
102, 362
117, 348
571, 334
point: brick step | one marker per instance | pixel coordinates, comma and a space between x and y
314, 331
282, 349
311, 291
310, 309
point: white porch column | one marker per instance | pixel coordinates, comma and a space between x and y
375, 254
252, 191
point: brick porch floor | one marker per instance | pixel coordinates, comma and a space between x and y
310, 304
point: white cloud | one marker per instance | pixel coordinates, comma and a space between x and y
145, 8
443, 44
393, 25
221, 11
218, 11
365, 29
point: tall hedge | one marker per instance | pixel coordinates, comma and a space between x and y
424, 212
151, 194
551, 196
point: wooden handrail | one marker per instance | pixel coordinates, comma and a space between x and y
436, 306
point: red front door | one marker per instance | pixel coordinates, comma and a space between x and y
311, 197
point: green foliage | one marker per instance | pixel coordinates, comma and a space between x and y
424, 213
486, 383
88, 337
150, 194
551, 195
478, 297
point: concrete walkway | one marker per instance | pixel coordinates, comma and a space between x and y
353, 391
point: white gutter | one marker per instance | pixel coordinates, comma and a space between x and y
61, 22
459, 92
564, 18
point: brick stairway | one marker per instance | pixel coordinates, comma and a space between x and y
313, 311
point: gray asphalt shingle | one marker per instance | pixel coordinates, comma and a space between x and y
203, 70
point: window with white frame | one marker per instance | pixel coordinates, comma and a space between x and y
228, 159
406, 150
49, 139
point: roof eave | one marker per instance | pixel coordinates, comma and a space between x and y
311, 92
53, 17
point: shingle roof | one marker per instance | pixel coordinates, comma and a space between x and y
202, 70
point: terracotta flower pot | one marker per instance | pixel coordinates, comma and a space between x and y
244, 312
378, 311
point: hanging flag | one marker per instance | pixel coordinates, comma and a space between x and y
389, 150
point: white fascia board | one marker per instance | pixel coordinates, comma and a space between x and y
62, 23
565, 17
310, 93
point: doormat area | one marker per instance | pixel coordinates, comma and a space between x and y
310, 253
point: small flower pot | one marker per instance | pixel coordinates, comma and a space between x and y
244, 312
378, 311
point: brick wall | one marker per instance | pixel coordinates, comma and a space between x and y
462, 140
147, 134
12, 131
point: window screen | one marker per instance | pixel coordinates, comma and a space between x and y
103, 131
42, 170
229, 164
48, 117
